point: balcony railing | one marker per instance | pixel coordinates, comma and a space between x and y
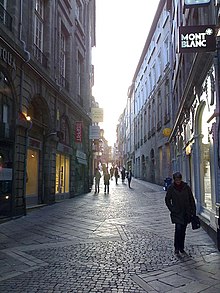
5, 18
40, 57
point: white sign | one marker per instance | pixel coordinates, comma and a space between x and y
94, 132
97, 115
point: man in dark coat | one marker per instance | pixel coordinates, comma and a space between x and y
181, 204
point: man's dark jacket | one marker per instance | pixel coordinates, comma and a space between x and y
181, 204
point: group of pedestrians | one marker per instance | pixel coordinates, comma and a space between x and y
109, 176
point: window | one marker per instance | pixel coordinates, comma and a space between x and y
159, 66
159, 111
5, 113
166, 98
80, 74
153, 114
79, 11
166, 51
2, 11
38, 29
62, 173
62, 59
149, 118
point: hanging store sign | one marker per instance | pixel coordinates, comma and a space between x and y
197, 39
78, 131
97, 115
81, 157
166, 132
94, 132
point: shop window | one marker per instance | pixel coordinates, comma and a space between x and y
32, 172
205, 161
62, 173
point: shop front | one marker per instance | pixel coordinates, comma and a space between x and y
206, 147
7, 130
32, 172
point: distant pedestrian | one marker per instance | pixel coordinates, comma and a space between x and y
129, 177
111, 172
97, 180
116, 175
181, 204
106, 181
123, 174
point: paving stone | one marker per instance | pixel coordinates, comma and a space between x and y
105, 243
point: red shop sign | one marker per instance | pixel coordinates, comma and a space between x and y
78, 131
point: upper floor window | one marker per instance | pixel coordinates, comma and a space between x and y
2, 10
5, 17
64, 128
5, 113
80, 74
62, 55
79, 11
166, 51
38, 29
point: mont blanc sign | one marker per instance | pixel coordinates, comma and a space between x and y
197, 39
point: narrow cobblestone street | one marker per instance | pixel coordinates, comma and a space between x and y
117, 242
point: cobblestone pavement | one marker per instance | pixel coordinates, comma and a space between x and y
117, 242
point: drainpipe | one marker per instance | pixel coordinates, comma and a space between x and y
26, 52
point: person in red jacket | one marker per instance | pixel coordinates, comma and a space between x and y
181, 204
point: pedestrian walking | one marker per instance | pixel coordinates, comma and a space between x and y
111, 172
181, 204
123, 174
106, 181
129, 177
97, 179
116, 175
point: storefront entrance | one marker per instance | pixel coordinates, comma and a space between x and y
32, 177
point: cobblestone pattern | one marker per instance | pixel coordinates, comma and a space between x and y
106, 243
97, 267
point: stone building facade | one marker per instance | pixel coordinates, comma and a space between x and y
46, 78
175, 91
147, 112
195, 84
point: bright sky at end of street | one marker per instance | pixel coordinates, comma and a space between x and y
122, 27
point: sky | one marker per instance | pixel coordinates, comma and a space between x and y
122, 28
